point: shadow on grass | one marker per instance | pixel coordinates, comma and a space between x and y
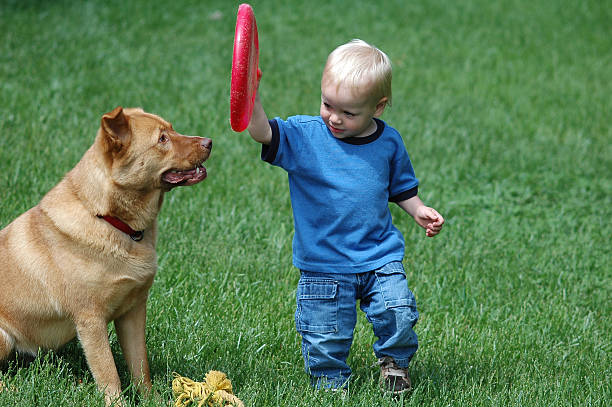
70, 354
16, 361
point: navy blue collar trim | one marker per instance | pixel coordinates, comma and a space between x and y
380, 126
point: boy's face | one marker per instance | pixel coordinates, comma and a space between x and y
348, 113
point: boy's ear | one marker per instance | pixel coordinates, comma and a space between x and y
380, 106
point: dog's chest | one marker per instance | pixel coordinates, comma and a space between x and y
126, 293
116, 280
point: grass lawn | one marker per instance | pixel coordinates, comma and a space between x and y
505, 109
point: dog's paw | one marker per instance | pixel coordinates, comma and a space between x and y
114, 401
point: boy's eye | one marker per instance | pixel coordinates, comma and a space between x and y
349, 114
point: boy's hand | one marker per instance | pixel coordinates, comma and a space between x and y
426, 217
429, 219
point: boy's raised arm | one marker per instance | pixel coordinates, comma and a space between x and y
259, 128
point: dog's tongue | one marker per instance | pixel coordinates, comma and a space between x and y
189, 177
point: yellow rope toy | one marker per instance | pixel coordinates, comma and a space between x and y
215, 390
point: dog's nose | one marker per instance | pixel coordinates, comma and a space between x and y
206, 143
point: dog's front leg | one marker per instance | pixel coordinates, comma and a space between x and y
131, 333
93, 334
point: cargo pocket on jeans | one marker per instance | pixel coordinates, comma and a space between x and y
394, 287
317, 306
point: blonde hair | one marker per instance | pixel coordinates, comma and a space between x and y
362, 67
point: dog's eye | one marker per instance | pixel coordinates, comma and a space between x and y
163, 138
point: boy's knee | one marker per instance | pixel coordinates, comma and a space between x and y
396, 322
406, 316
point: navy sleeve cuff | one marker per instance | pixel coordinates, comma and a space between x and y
268, 151
402, 196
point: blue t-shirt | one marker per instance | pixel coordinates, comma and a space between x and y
340, 192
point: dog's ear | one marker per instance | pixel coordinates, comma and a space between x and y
116, 127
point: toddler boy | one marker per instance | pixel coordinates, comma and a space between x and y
344, 168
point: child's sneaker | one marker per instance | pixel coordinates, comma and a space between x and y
392, 377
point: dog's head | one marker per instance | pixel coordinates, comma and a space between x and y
144, 152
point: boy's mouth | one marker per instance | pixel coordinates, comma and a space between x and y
335, 130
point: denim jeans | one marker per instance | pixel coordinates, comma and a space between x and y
326, 315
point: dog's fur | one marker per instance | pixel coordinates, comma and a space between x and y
65, 271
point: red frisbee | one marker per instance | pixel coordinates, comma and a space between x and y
245, 64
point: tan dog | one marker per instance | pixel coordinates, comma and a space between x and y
85, 255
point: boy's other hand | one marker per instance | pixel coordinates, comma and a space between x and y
429, 219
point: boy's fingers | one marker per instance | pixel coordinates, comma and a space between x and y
435, 214
439, 220
432, 221
429, 213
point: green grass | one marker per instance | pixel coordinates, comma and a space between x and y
505, 109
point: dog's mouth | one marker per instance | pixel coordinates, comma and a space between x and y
177, 178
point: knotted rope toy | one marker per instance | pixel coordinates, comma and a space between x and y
215, 390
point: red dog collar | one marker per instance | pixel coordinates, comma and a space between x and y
136, 235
